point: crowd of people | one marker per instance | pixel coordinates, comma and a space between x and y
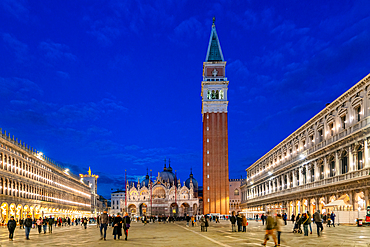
42, 224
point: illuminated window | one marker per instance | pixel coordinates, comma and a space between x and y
207, 175
207, 163
236, 192
208, 188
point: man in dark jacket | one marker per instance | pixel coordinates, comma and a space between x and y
239, 222
11, 227
51, 222
126, 224
103, 224
21, 223
233, 220
318, 222
187, 220
28, 226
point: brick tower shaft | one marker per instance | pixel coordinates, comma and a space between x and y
215, 130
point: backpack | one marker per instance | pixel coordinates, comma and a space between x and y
12, 224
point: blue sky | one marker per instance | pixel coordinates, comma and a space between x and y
116, 85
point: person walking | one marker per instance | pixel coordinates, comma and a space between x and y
28, 226
187, 220
270, 228
285, 216
21, 224
233, 221
332, 217
279, 224
11, 227
117, 226
309, 221
44, 224
318, 222
85, 222
203, 224
103, 219
51, 222
305, 223
244, 223
126, 224
292, 218
263, 219
206, 223
239, 222
192, 221
39, 224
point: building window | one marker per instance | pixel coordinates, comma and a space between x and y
312, 140
344, 161
320, 135
208, 200
236, 192
207, 128
343, 121
304, 143
208, 188
358, 113
207, 163
313, 174
322, 171
207, 116
331, 127
207, 175
207, 140
207, 151
360, 163
332, 168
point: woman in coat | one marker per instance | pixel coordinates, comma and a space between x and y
117, 226
126, 224
244, 223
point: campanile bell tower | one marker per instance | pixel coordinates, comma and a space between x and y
215, 135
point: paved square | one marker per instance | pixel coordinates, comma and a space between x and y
179, 235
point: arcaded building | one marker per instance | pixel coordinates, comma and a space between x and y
32, 184
324, 164
215, 130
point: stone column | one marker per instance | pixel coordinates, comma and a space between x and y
294, 178
366, 194
308, 173
300, 178
288, 180
337, 169
273, 185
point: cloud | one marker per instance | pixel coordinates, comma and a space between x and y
20, 49
188, 30
18, 88
55, 51
16, 8
62, 74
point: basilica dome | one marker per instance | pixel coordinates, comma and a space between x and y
145, 182
195, 182
167, 175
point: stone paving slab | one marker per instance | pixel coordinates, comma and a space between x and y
179, 235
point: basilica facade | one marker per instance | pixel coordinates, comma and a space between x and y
323, 165
162, 195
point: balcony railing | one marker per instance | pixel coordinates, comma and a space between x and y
313, 185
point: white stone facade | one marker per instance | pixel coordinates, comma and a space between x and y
326, 159
161, 198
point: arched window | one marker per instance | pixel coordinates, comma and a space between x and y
344, 162
217, 94
332, 167
236, 192
213, 94
209, 94
221, 94
321, 171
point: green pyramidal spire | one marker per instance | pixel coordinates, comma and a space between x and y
214, 52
